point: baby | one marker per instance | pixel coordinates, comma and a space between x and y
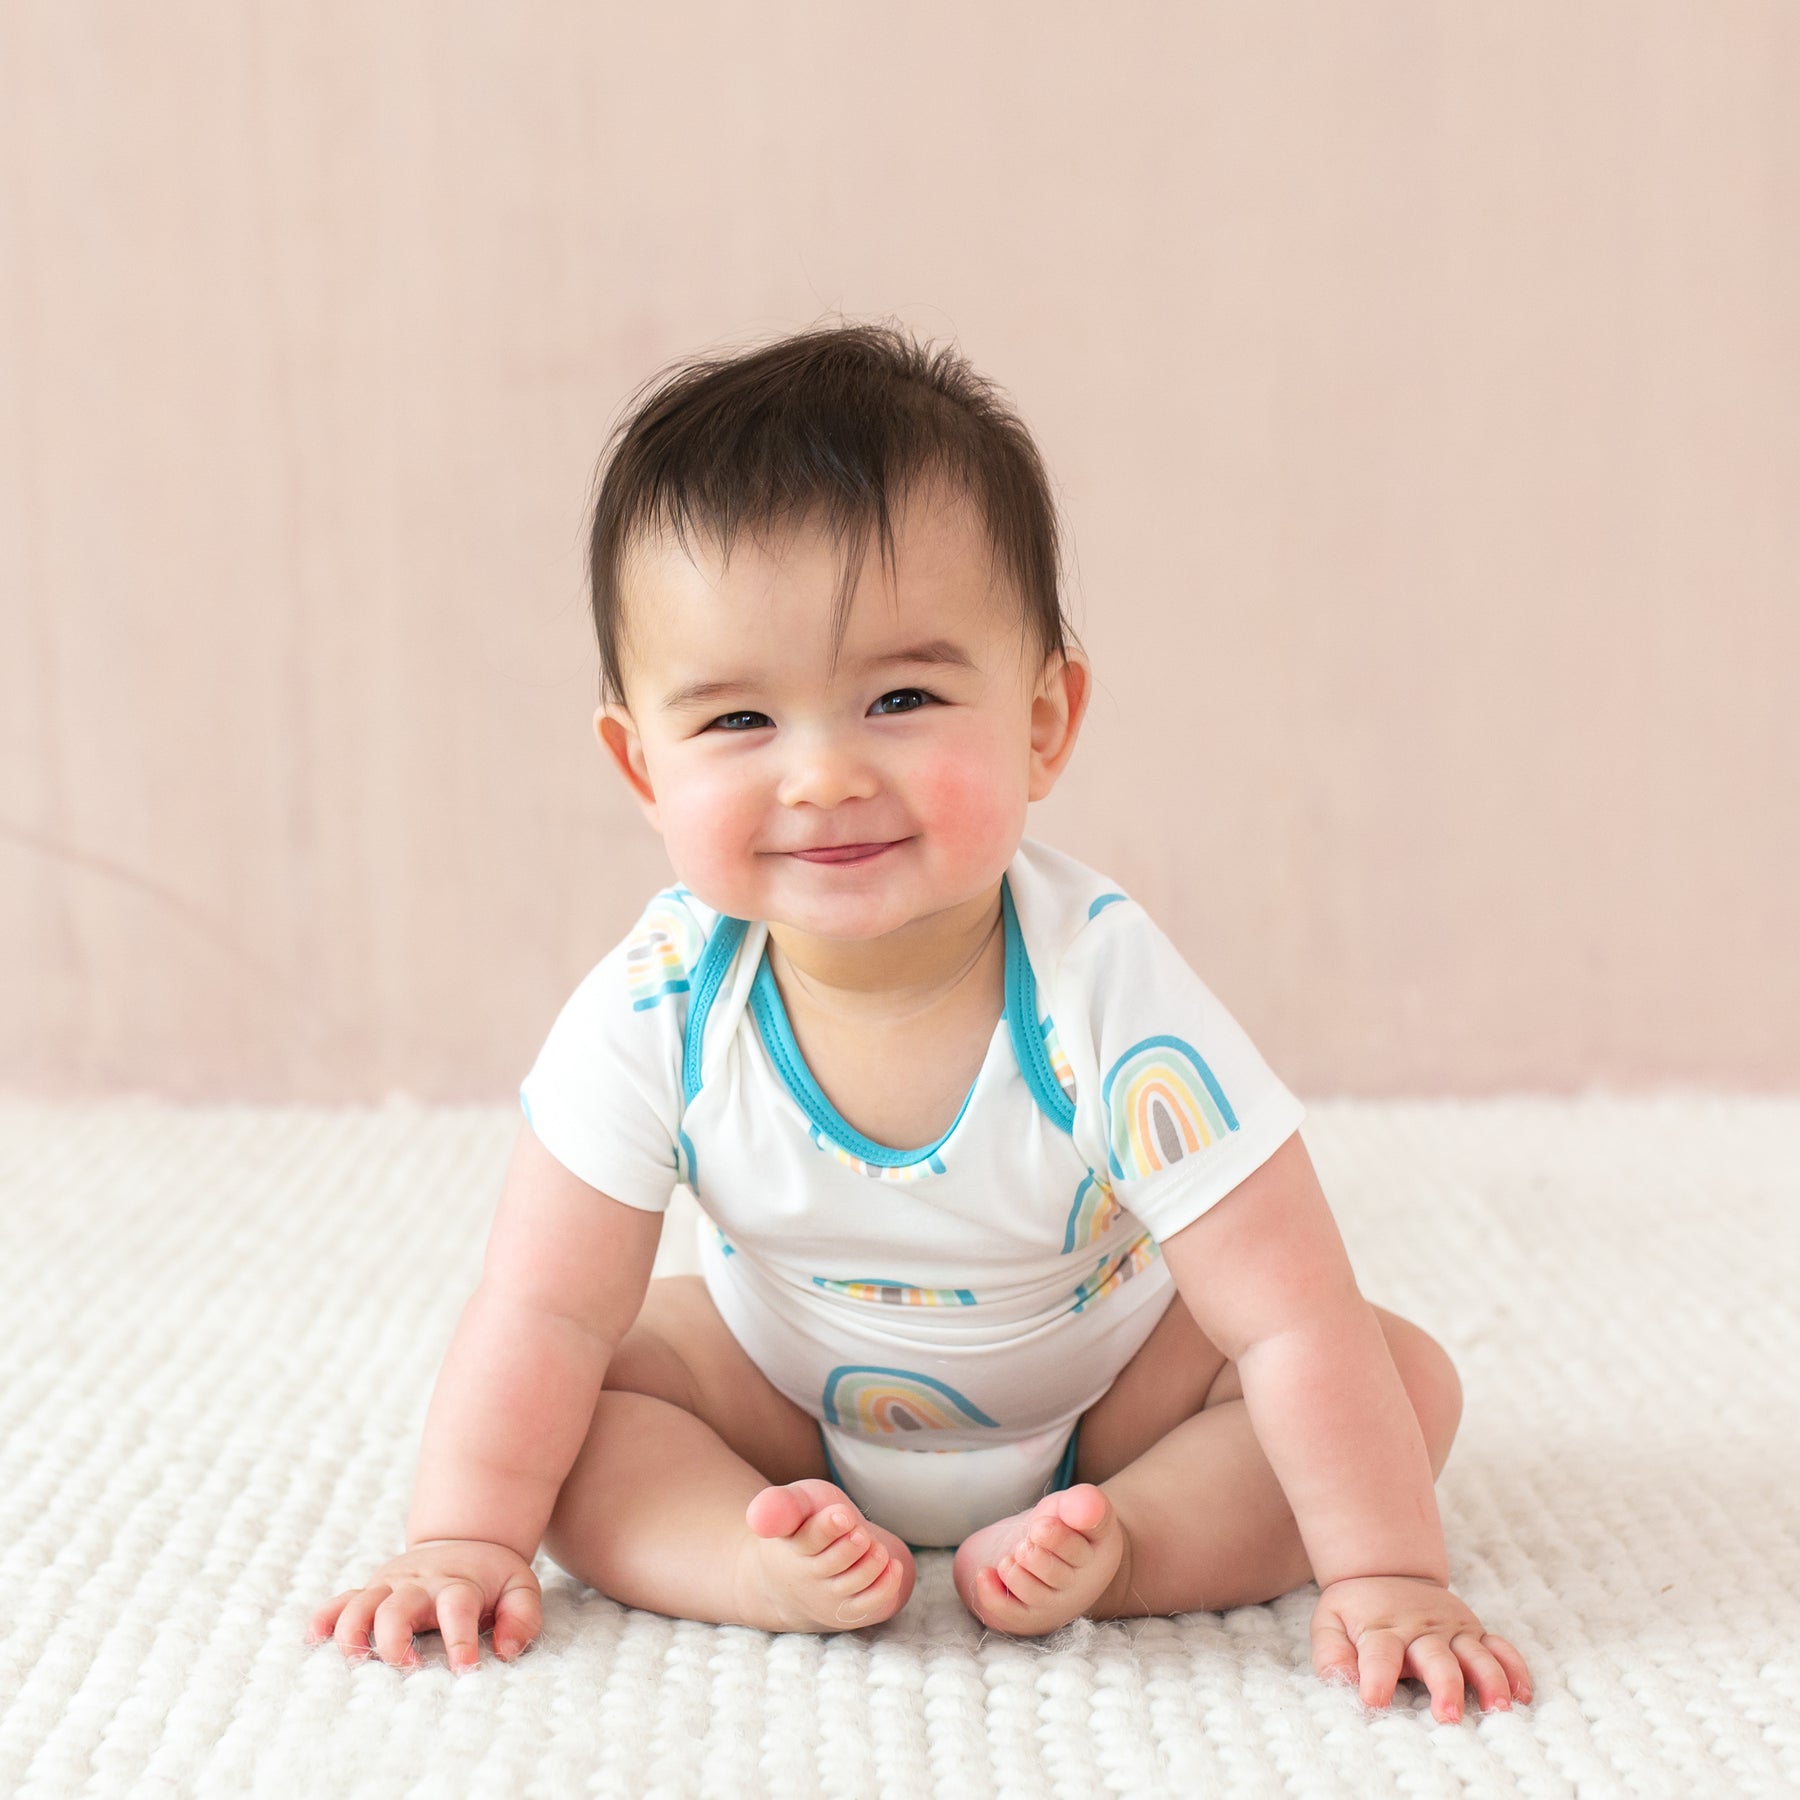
1096, 1327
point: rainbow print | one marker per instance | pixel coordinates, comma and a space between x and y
664, 945
1140, 1253
880, 1402
1162, 1104
896, 1293
1092, 1215
1053, 1051
908, 1171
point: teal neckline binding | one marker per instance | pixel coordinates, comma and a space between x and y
1027, 1034
778, 1038
784, 1052
708, 975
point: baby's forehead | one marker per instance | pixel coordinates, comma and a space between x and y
939, 570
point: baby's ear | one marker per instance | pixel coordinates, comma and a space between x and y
619, 736
1056, 715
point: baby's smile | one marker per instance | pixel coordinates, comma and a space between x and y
847, 853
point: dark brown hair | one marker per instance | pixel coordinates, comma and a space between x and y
837, 421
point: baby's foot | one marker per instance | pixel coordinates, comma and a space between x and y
814, 1563
1039, 1569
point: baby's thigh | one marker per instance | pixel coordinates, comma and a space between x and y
1167, 1381
681, 1351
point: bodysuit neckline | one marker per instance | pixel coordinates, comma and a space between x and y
1027, 1032
784, 1052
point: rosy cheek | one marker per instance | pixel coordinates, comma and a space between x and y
966, 804
701, 816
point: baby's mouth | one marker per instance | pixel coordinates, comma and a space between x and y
845, 853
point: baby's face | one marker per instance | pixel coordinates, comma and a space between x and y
935, 730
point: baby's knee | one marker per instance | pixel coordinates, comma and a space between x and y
649, 1359
1431, 1381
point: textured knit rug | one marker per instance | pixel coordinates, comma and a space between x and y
222, 1327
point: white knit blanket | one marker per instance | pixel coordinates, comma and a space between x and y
222, 1327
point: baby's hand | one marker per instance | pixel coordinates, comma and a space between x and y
1401, 1625
458, 1585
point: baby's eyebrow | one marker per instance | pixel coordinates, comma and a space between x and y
938, 653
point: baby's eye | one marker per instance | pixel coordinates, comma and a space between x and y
724, 717
902, 693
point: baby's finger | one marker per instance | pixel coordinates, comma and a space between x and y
1483, 1669
1435, 1664
324, 1619
459, 1619
352, 1631
1333, 1654
518, 1615
1514, 1664
1381, 1654
404, 1610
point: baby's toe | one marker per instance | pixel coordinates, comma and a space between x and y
1043, 1560
863, 1564
1084, 1508
842, 1553
828, 1528
800, 1510
1029, 1577
994, 1598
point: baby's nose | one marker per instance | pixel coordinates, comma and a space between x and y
826, 769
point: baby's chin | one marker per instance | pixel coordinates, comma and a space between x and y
848, 903
816, 898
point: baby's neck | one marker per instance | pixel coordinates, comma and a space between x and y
926, 967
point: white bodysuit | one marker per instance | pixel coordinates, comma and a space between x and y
977, 1294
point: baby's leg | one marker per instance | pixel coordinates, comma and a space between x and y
668, 1506
1175, 1507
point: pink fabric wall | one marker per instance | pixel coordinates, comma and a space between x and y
1422, 384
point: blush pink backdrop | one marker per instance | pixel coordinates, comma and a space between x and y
1421, 383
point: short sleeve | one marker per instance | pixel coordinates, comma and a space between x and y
604, 1095
1179, 1104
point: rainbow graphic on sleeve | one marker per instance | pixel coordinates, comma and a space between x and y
664, 945
1092, 1215
896, 1293
1107, 1278
881, 1402
1162, 1104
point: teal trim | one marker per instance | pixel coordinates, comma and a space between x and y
1065, 1472
709, 974
1022, 1016
933, 1161
1074, 1218
668, 987
784, 1053
1104, 900
1021, 1019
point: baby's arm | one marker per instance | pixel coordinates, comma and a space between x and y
565, 1274
1267, 1278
